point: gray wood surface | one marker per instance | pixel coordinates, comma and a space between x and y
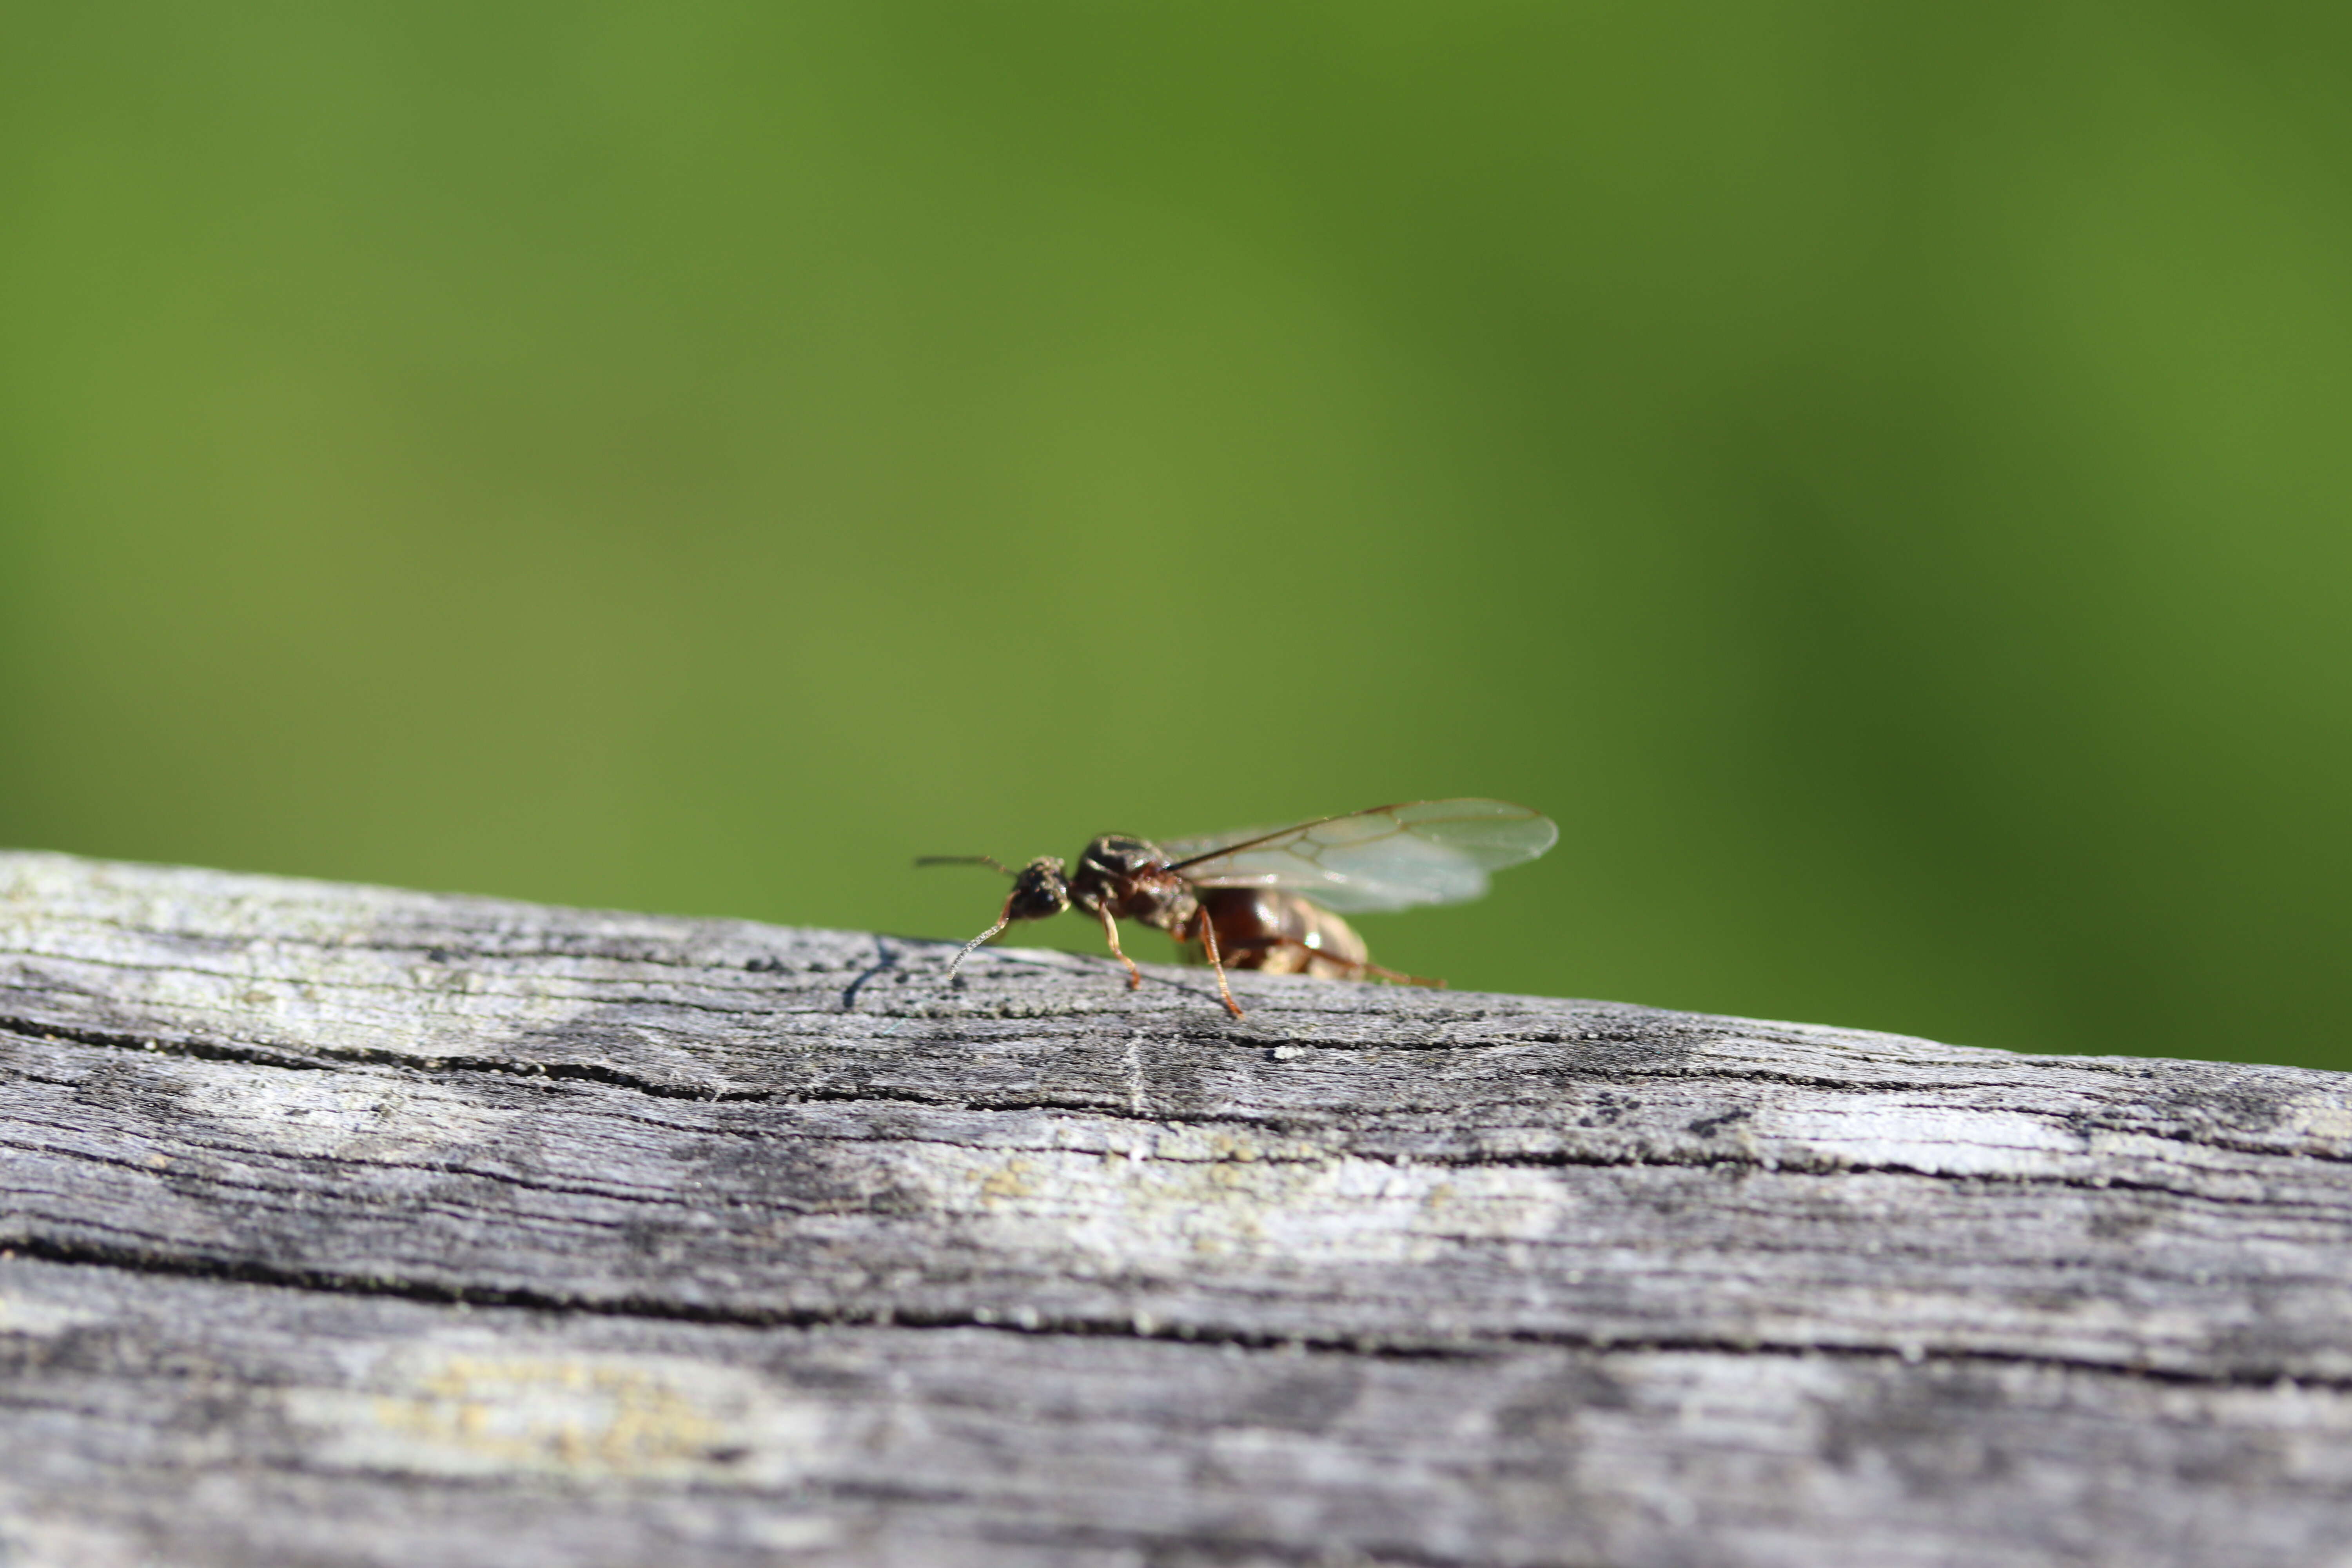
347, 1226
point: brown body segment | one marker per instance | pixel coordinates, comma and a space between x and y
1281, 933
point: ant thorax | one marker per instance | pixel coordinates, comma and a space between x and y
1130, 880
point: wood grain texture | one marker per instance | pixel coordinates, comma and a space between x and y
347, 1226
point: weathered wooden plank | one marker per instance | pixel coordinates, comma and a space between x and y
497, 1229
249, 1424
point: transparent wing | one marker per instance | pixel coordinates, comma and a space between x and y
1390, 858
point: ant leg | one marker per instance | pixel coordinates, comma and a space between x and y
1397, 976
1362, 966
1110, 934
1217, 962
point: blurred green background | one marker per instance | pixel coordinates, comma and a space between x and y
1877, 475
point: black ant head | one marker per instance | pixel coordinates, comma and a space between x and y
1039, 889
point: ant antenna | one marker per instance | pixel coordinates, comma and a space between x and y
965, 860
1001, 922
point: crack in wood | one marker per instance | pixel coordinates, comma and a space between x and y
1382, 1347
